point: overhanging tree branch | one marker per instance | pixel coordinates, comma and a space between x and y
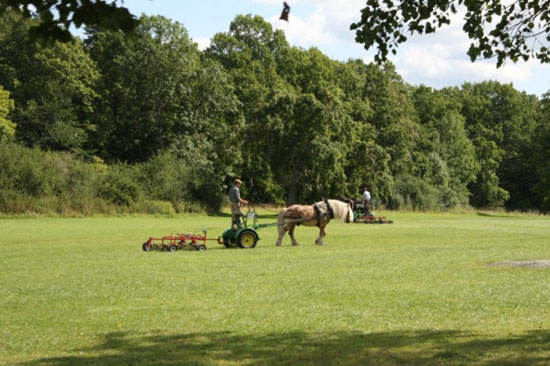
494, 29
56, 16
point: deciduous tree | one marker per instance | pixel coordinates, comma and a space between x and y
51, 87
55, 17
7, 127
511, 30
542, 156
501, 123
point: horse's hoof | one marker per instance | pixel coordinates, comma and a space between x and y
296, 244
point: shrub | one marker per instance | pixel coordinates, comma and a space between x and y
169, 178
120, 186
21, 170
416, 194
166, 178
34, 181
154, 207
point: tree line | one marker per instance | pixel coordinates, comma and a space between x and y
141, 120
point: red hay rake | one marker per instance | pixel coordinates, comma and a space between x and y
172, 243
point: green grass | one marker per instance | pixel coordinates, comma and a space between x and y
80, 291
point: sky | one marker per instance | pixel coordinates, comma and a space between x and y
436, 60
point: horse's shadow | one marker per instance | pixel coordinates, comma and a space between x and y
425, 347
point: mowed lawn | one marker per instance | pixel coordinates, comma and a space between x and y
80, 291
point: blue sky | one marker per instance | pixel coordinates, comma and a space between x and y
435, 60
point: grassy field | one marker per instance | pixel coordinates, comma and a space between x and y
80, 291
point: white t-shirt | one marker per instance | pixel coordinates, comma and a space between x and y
366, 196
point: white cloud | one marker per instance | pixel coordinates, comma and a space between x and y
327, 24
306, 32
436, 60
430, 65
341, 15
202, 42
440, 59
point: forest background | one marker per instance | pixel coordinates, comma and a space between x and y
147, 122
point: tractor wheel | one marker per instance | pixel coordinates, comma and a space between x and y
227, 243
172, 248
247, 239
146, 247
201, 248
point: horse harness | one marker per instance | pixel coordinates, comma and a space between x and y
329, 211
320, 212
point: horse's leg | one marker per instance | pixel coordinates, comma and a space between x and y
322, 233
291, 233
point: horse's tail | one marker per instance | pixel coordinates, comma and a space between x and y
281, 218
281, 226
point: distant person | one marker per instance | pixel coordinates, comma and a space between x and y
366, 200
236, 200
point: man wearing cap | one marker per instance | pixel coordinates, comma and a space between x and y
236, 200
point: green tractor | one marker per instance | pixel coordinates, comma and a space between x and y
245, 235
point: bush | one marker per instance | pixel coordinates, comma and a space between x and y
34, 181
120, 186
154, 207
414, 193
169, 178
166, 178
21, 170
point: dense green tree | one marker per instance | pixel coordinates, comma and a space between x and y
158, 93
292, 123
393, 119
155, 91
60, 94
15, 49
541, 156
297, 125
310, 148
330, 132
247, 52
145, 88
367, 163
446, 156
7, 127
393, 115
51, 87
419, 150
501, 123
508, 30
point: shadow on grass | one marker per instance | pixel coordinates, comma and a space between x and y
218, 214
301, 348
500, 216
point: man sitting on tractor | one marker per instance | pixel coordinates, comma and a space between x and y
366, 201
236, 200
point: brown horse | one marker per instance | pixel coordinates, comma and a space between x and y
318, 214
